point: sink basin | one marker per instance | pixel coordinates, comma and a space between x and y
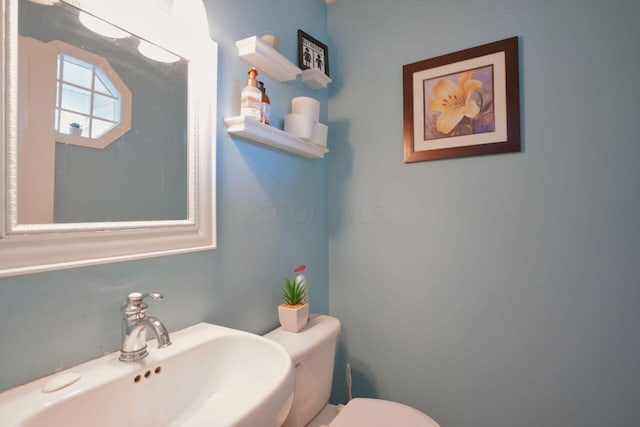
209, 376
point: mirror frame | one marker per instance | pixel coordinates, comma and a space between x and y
43, 247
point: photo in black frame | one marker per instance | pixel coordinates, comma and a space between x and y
312, 53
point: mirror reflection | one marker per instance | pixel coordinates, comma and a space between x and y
102, 122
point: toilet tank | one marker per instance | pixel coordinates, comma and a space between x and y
313, 352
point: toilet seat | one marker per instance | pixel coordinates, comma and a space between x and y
380, 413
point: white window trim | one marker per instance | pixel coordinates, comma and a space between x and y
125, 103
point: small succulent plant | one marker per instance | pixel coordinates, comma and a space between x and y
294, 291
75, 125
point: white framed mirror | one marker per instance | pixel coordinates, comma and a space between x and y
108, 144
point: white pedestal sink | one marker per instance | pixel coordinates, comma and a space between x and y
210, 376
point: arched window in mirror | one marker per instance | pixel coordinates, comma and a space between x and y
87, 102
93, 104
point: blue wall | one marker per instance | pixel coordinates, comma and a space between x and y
500, 290
271, 217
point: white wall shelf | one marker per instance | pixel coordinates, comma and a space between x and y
254, 131
315, 79
271, 62
267, 59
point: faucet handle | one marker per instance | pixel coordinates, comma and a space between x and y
134, 305
138, 297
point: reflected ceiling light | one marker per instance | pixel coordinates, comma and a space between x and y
156, 53
45, 2
98, 26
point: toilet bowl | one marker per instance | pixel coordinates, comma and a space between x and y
313, 352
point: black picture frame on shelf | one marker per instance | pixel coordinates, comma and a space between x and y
312, 53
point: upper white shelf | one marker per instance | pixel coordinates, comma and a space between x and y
267, 59
255, 131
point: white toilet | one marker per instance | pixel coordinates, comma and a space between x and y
313, 352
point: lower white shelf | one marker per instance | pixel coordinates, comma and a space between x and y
254, 131
315, 79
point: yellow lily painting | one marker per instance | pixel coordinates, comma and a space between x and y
459, 104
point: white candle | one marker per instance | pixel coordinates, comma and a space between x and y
271, 39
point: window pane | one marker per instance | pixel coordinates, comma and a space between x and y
105, 82
66, 118
76, 99
104, 107
101, 86
77, 74
100, 127
85, 95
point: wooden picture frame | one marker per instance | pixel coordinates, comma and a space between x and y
312, 53
465, 103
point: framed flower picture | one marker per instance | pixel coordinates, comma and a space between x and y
312, 53
462, 104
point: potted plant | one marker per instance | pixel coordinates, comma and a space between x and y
75, 128
294, 313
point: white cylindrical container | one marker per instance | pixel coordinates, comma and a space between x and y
307, 106
270, 38
299, 125
319, 134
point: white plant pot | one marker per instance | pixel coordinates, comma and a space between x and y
75, 131
293, 317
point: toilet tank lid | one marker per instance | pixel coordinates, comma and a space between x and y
319, 329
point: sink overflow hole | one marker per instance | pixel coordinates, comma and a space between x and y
146, 374
158, 370
137, 379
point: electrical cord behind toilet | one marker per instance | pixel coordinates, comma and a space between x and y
348, 380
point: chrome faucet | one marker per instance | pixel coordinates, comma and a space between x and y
135, 323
